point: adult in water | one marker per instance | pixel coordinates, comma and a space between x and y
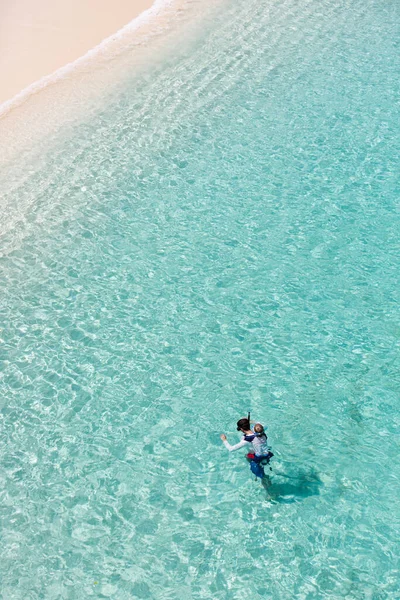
256, 441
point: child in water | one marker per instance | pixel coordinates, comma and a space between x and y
257, 439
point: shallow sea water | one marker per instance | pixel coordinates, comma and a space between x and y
221, 236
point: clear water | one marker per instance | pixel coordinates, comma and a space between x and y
223, 235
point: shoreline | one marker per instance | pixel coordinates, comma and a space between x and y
62, 97
38, 42
34, 120
150, 27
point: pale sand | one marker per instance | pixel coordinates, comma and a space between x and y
37, 37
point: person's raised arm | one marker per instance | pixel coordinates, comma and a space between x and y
227, 445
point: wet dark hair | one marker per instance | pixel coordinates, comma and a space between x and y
243, 424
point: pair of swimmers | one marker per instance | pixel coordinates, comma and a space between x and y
255, 438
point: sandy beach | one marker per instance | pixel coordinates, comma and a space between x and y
37, 38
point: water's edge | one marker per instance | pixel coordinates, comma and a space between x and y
110, 44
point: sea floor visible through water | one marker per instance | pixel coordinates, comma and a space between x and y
218, 234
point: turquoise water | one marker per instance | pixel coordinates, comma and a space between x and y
221, 235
